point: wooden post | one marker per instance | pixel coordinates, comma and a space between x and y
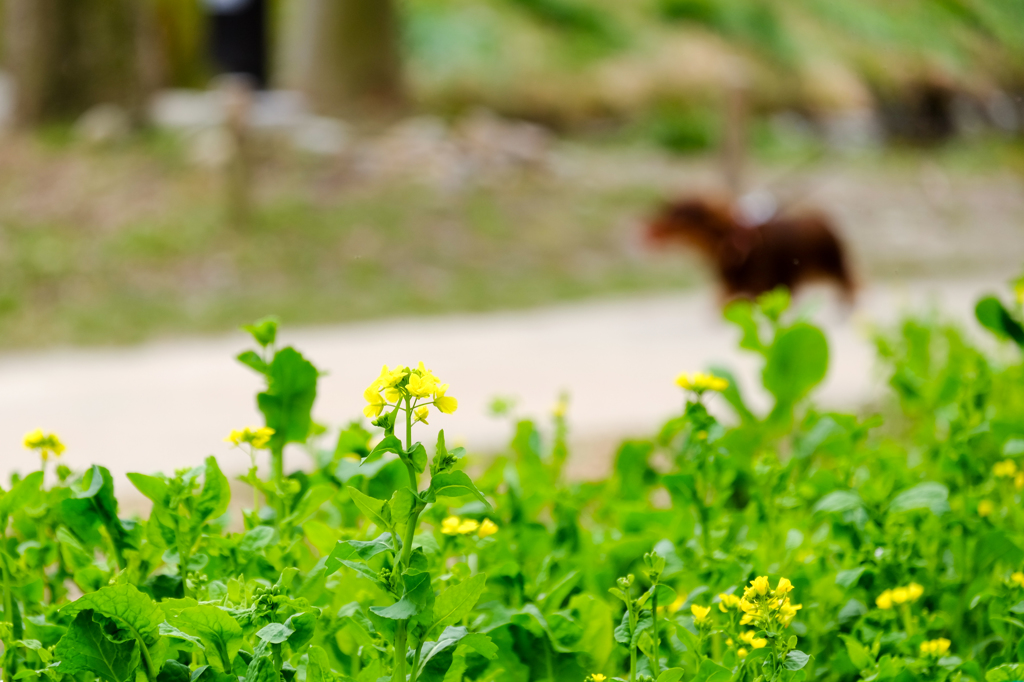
734, 135
238, 95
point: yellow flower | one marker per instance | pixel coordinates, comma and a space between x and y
986, 507
1005, 469
596, 677
444, 403
760, 585
468, 526
487, 528
421, 414
727, 601
698, 382
1017, 578
788, 612
742, 653
915, 591
450, 526
45, 443
748, 606
884, 600
419, 386
784, 588
900, 595
936, 647
677, 604
753, 641
375, 404
561, 407
701, 614
1018, 480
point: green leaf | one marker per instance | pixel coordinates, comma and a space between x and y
418, 456
859, 654
741, 314
839, 501
261, 669
264, 330
21, 494
173, 671
795, 660
671, 675
849, 577
929, 495
256, 539
318, 666
709, 671
275, 633
1008, 672
417, 585
452, 605
84, 648
288, 401
153, 487
220, 633
449, 651
215, 496
303, 627
253, 361
389, 443
797, 362
994, 316
346, 550
126, 604
372, 508
456, 484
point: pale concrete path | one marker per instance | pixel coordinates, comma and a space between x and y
167, 405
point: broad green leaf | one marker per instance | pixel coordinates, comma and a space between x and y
303, 627
275, 633
20, 494
929, 495
85, 649
288, 401
126, 604
671, 675
261, 669
347, 550
173, 671
849, 577
709, 671
438, 658
318, 666
256, 539
456, 484
796, 362
153, 487
795, 660
455, 602
859, 654
253, 361
220, 633
1008, 672
372, 508
839, 501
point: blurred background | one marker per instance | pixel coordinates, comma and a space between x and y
171, 169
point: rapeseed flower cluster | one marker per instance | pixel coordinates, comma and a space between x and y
258, 437
727, 601
985, 508
453, 525
935, 647
699, 382
45, 444
595, 677
764, 607
418, 386
1017, 578
701, 615
1005, 469
899, 595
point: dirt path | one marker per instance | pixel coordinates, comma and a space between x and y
166, 405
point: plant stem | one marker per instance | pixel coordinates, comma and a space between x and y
402, 629
655, 662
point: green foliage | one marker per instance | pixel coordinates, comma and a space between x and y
859, 552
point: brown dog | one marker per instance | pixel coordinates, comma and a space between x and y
752, 260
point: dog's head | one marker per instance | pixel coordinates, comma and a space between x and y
697, 222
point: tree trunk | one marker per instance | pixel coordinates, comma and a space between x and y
351, 64
65, 56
